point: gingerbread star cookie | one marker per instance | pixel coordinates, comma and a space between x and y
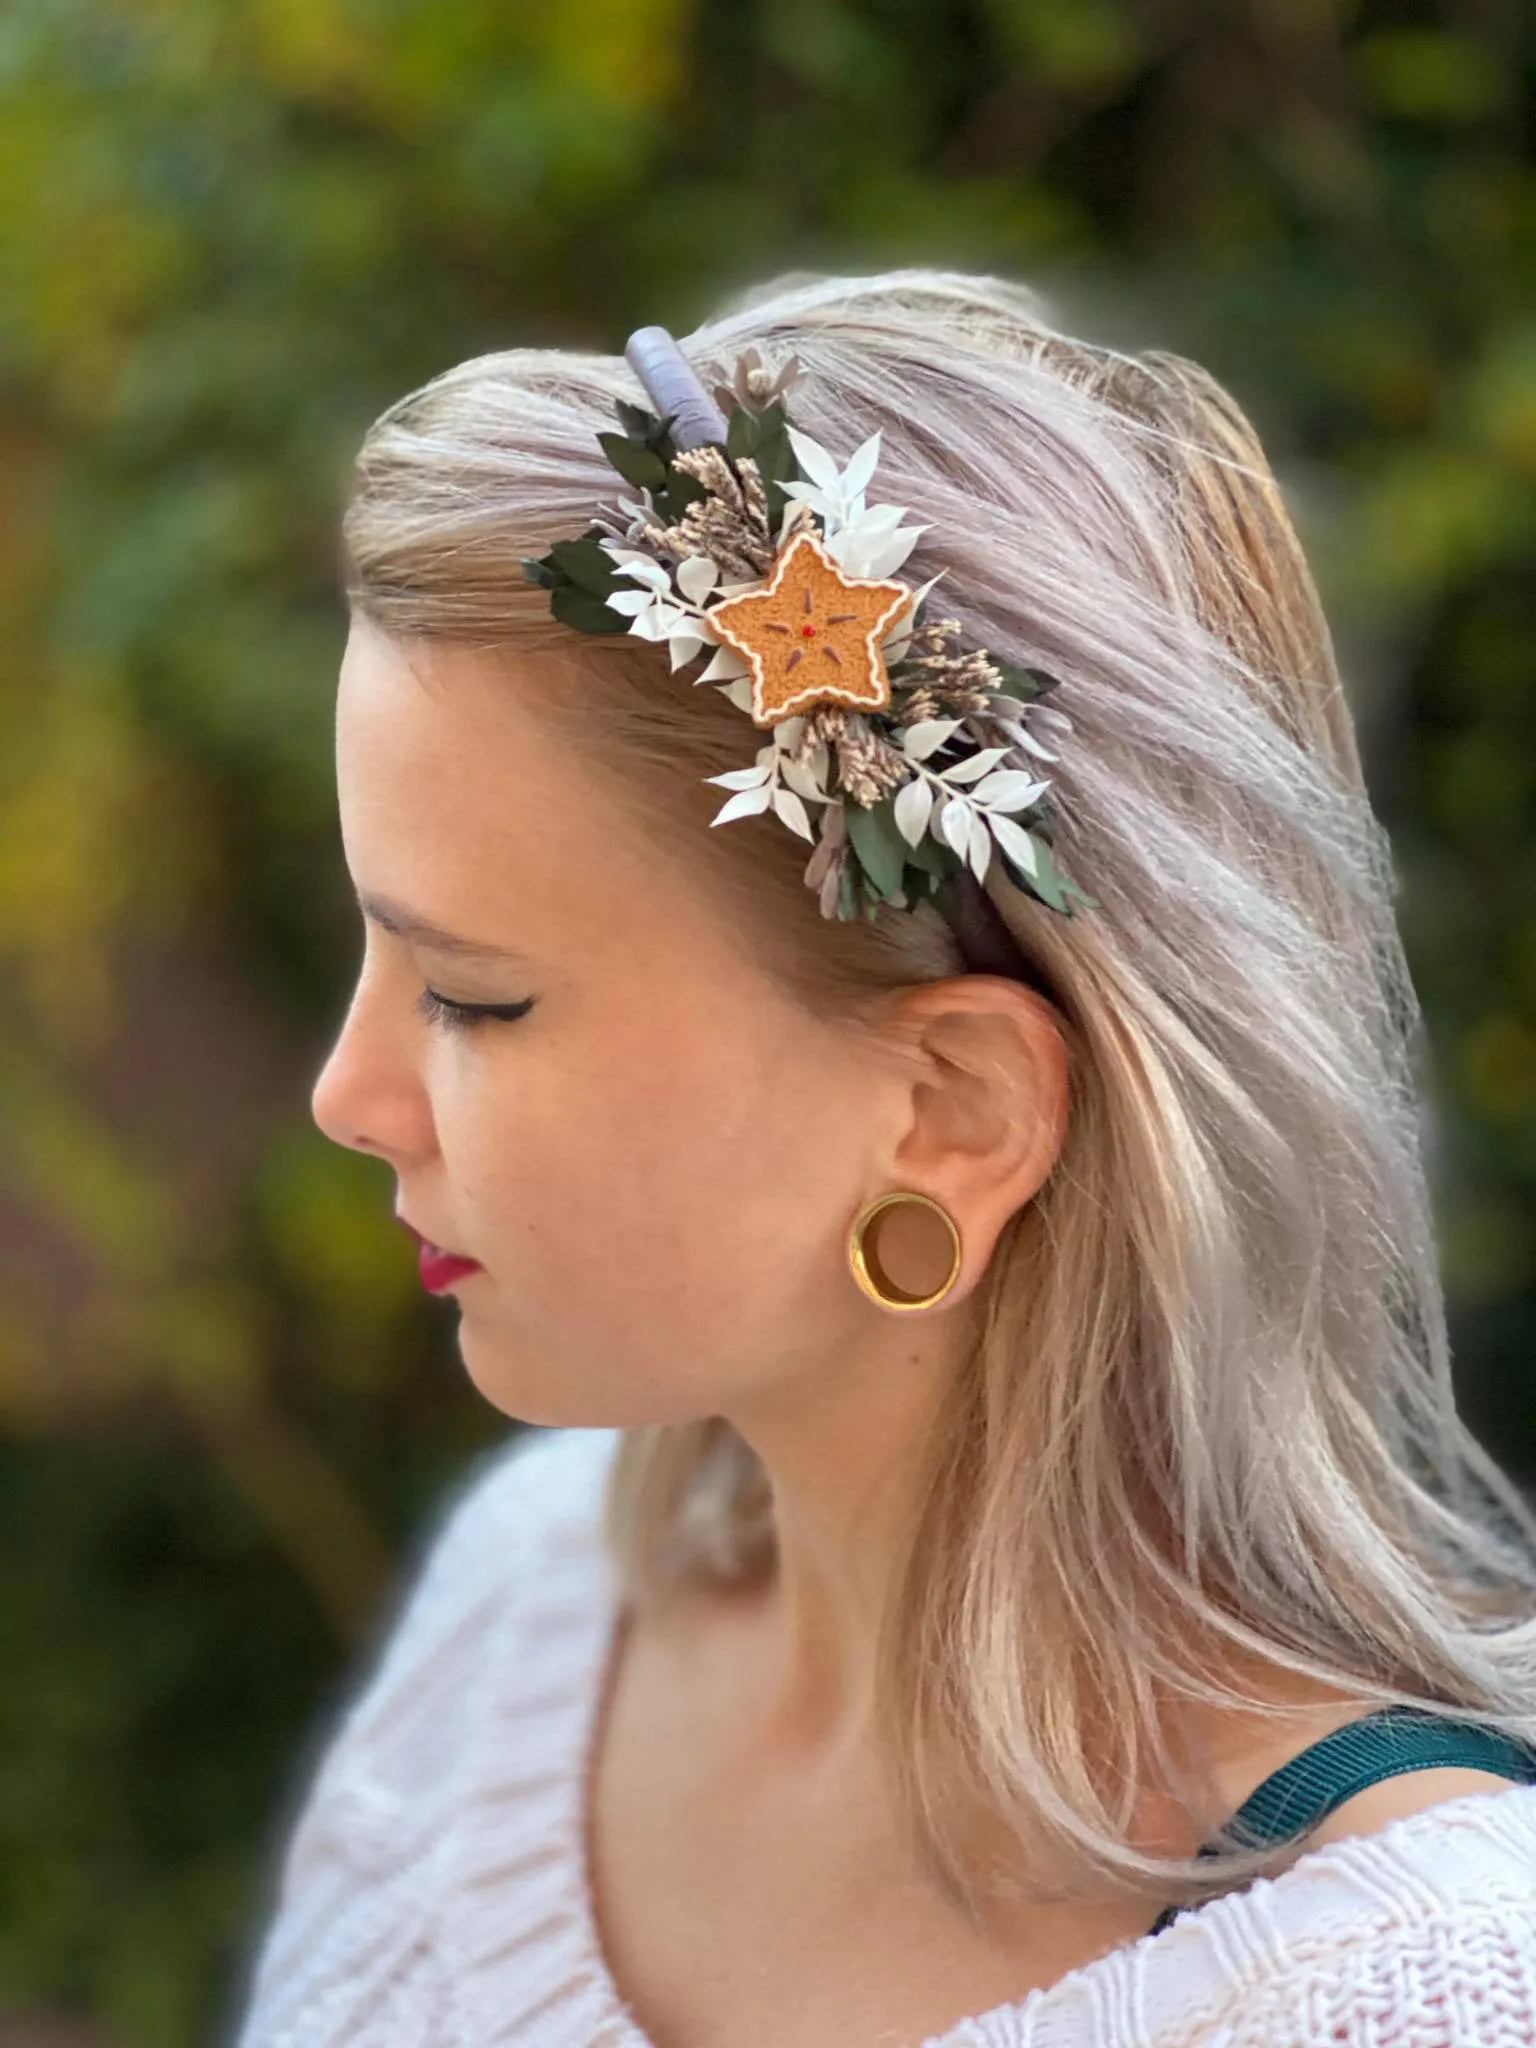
812, 635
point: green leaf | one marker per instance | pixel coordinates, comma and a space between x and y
1070, 890
877, 844
639, 466
682, 490
647, 429
1024, 683
932, 858
741, 434
777, 466
764, 437
542, 570
588, 566
1048, 882
579, 608
1041, 885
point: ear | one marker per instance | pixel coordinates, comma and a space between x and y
984, 1111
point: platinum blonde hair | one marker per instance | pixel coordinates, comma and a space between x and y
1208, 1436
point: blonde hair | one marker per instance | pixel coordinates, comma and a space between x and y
1209, 1427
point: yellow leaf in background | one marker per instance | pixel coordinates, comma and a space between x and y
1498, 1067
88, 831
630, 56
1500, 398
313, 47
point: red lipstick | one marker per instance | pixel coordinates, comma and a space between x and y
439, 1268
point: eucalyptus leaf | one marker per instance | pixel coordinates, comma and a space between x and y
913, 803
1036, 871
1061, 887
877, 843
741, 433
1009, 789
697, 577
935, 860
792, 812
745, 804
980, 849
1046, 884
1015, 842
974, 766
927, 736
954, 822
772, 421
774, 456
1021, 734
817, 464
861, 466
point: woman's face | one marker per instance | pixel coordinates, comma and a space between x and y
656, 1164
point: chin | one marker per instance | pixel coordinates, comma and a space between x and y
560, 1396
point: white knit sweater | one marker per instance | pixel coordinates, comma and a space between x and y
433, 1891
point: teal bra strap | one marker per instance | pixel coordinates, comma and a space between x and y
1302, 1793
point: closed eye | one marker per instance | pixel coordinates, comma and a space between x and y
452, 1016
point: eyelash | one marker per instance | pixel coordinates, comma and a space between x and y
454, 1016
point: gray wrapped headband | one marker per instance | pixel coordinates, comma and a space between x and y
673, 389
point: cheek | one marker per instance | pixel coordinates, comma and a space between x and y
662, 1227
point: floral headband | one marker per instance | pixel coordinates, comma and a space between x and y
917, 749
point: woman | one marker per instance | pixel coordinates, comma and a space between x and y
901, 1594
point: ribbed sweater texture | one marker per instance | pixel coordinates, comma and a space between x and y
430, 1888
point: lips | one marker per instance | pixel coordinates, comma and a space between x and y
439, 1267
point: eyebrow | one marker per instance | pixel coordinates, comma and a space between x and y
403, 923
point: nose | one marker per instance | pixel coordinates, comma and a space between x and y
370, 1094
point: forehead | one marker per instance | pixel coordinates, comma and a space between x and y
452, 797
431, 728
458, 800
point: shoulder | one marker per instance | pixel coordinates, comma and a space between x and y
527, 1488
522, 1498
496, 1598
497, 1528
1422, 1930
514, 1537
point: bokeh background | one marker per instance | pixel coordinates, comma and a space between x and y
231, 231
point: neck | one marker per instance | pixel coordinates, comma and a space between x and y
844, 1453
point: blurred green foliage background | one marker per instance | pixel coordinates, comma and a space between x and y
232, 230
